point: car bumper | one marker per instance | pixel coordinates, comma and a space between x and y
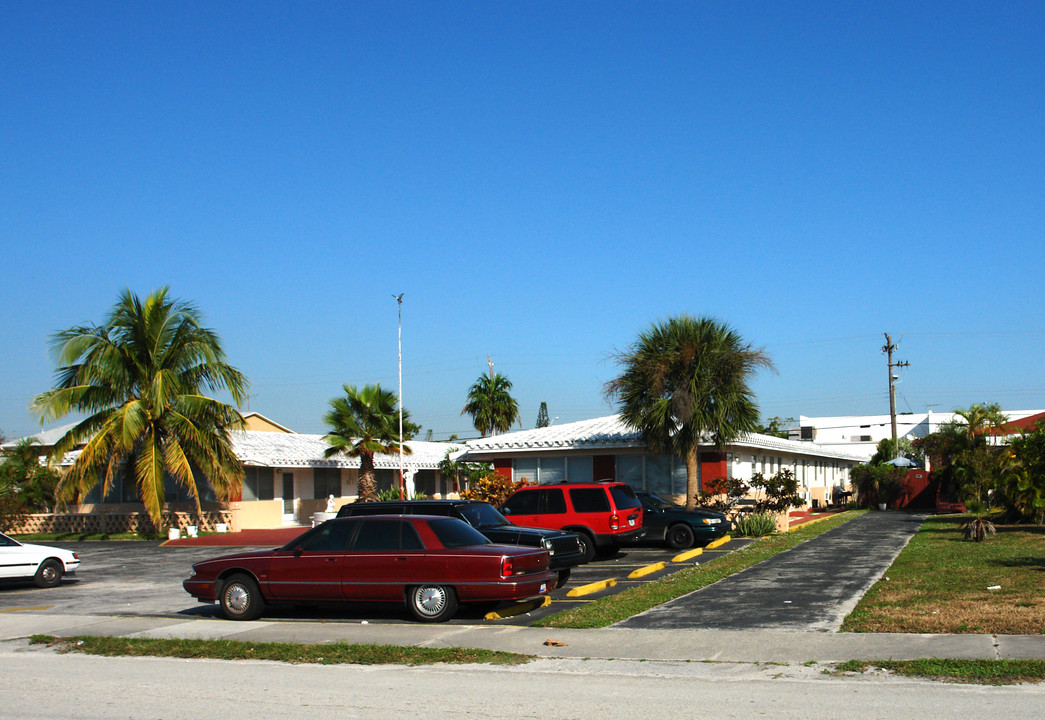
620, 538
520, 589
564, 561
202, 590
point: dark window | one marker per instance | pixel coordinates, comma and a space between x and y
482, 515
554, 502
523, 503
375, 509
257, 483
589, 500
624, 497
329, 537
326, 482
454, 533
387, 536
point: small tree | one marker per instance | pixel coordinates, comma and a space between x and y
877, 484
724, 496
542, 416
777, 493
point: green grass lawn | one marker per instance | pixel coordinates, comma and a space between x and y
942, 583
323, 654
981, 672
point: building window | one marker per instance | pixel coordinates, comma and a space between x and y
326, 482
580, 469
258, 483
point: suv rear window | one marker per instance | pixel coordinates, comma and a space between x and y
589, 500
624, 497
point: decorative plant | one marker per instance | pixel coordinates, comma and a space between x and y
978, 527
755, 525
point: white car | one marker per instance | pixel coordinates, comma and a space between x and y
45, 565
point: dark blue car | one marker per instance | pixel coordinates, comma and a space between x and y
678, 527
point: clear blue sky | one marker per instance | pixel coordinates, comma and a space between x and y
542, 180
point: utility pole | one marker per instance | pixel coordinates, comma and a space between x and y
399, 302
888, 350
489, 362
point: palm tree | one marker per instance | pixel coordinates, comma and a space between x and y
139, 378
491, 405
686, 380
364, 423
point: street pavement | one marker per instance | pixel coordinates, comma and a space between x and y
811, 587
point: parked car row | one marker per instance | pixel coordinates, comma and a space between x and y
433, 555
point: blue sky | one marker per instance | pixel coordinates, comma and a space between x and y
542, 181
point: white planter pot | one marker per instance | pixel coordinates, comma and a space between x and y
881, 506
173, 534
191, 530
221, 527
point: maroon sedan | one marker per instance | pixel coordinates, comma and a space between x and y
430, 563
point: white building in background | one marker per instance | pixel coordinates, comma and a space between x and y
860, 434
606, 448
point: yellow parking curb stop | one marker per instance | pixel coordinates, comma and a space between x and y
688, 555
647, 570
591, 587
518, 608
718, 543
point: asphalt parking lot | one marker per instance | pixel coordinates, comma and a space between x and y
144, 579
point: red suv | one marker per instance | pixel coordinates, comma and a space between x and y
603, 514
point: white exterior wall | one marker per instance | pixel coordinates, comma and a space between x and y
860, 434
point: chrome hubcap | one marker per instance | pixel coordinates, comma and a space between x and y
237, 598
431, 599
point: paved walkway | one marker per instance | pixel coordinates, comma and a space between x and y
609, 643
811, 587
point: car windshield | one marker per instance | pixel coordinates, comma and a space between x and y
483, 515
8, 542
657, 502
453, 533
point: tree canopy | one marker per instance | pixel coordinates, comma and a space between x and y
140, 379
685, 381
364, 422
491, 405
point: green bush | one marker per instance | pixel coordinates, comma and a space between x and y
755, 525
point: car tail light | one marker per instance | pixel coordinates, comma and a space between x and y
506, 566
614, 521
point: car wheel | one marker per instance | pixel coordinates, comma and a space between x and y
432, 603
564, 577
240, 599
49, 574
680, 536
587, 546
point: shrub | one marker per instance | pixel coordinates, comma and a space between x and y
492, 488
392, 494
755, 525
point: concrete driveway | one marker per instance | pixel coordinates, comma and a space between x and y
810, 587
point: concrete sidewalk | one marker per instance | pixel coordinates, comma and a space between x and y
608, 643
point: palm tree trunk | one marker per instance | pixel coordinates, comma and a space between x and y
367, 483
692, 478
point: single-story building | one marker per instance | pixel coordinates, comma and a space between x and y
286, 478
606, 448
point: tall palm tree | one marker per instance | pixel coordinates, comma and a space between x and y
491, 405
363, 423
139, 378
685, 379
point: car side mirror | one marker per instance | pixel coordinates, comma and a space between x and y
297, 551
506, 511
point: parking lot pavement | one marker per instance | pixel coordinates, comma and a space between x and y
810, 587
144, 579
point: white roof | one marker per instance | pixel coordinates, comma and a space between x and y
610, 432
268, 449
46, 438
